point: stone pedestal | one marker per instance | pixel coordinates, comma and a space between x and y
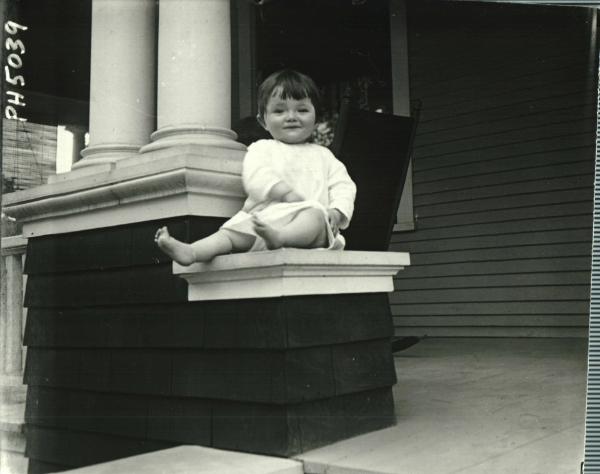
170, 182
101, 299
120, 362
319, 326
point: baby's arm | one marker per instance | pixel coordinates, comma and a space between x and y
261, 182
342, 192
335, 218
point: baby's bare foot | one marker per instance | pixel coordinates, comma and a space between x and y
272, 236
181, 252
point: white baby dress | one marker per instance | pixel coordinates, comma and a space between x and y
310, 170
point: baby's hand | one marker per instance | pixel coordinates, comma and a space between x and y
335, 218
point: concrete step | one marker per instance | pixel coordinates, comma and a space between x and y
195, 460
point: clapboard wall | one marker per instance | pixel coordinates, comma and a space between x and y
503, 172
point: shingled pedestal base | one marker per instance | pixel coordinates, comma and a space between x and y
319, 326
121, 362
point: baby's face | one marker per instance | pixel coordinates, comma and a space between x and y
290, 120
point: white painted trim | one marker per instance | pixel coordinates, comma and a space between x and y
401, 101
13, 312
244, 24
405, 216
189, 180
13, 245
184, 204
287, 272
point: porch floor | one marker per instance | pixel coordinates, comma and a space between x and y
475, 406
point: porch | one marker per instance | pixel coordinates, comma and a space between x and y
463, 405
504, 236
475, 405
468, 405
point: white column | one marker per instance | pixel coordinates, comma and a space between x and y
12, 311
78, 132
122, 95
194, 75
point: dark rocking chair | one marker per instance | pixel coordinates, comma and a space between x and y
376, 150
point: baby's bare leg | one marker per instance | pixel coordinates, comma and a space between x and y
179, 251
307, 230
203, 250
220, 243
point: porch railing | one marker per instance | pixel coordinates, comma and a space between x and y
13, 314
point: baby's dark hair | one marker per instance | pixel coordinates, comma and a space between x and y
292, 85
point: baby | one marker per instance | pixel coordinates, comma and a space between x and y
299, 194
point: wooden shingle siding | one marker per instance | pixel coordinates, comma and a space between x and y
118, 358
503, 172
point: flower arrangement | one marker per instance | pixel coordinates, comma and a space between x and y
323, 134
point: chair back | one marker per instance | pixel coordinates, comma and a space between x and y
376, 149
248, 131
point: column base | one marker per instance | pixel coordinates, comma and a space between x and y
174, 181
96, 155
193, 135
